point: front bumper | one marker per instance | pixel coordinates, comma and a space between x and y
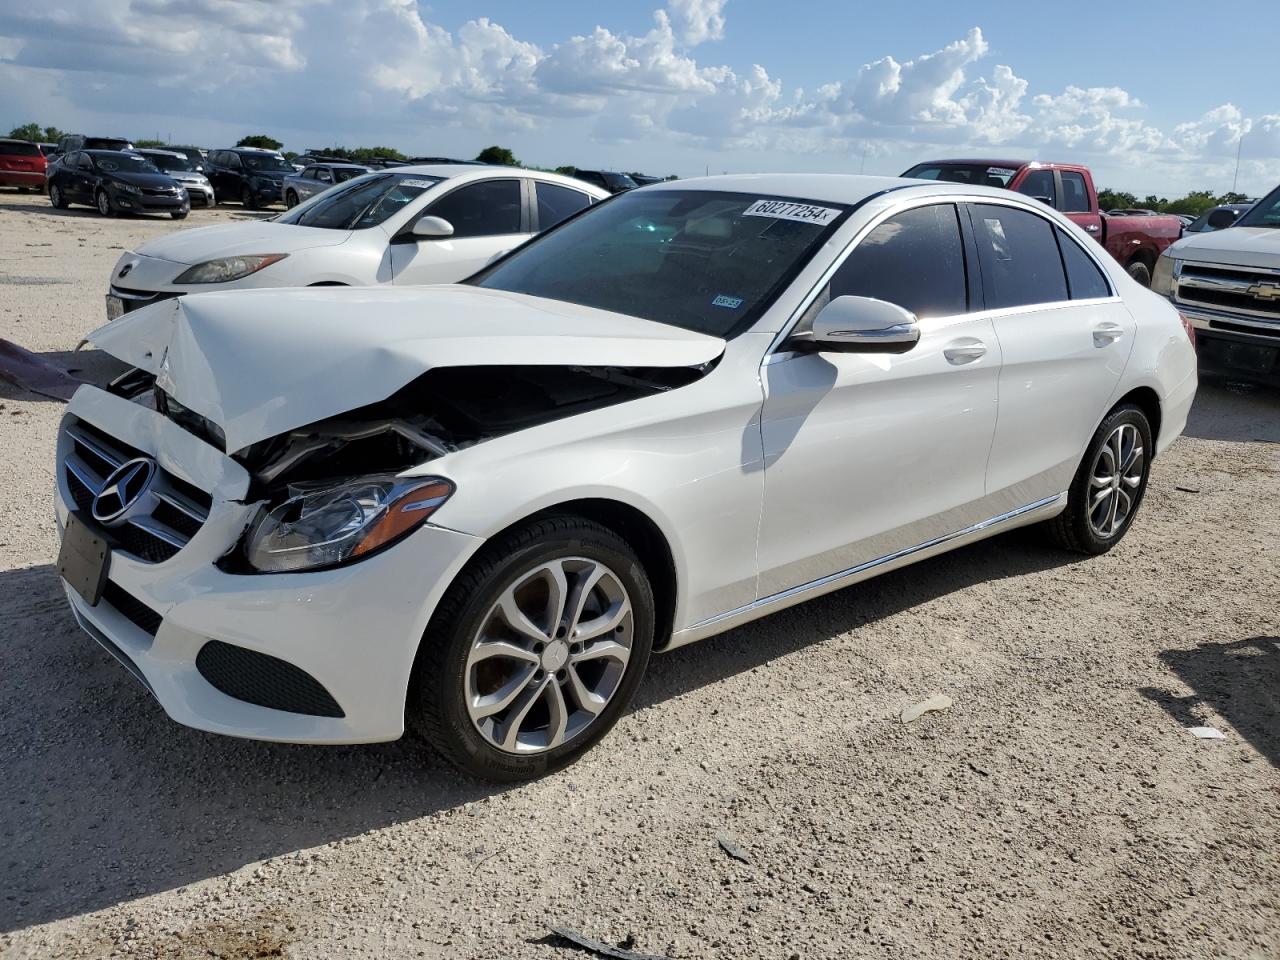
199, 195
147, 203
355, 630
265, 193
1245, 348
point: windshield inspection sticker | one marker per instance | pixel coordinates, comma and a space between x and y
790, 210
416, 183
733, 303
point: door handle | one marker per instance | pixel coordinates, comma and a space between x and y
1105, 334
1093, 228
965, 350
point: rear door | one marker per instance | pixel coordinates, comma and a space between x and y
489, 217
1075, 199
869, 454
1064, 339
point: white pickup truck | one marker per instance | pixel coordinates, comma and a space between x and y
1227, 283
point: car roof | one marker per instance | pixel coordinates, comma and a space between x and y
248, 150
978, 162
452, 171
166, 152
831, 187
335, 163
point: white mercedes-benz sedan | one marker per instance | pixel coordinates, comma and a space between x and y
434, 223
475, 510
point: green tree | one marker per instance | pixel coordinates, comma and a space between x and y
361, 154
36, 134
501, 156
1230, 197
565, 171
260, 140
1194, 203
1112, 199
149, 144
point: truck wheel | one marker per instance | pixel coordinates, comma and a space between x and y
1139, 271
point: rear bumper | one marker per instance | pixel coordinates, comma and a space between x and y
21, 178
1244, 348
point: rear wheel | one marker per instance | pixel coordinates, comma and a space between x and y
1108, 486
535, 651
56, 197
103, 203
1140, 272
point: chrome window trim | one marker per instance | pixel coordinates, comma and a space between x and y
933, 323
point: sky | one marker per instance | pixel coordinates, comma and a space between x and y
1155, 104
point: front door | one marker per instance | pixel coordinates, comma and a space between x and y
489, 217
869, 454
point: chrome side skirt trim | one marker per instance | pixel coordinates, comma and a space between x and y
1031, 513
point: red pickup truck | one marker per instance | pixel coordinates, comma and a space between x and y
1135, 241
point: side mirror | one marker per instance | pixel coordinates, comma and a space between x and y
1221, 219
433, 228
860, 325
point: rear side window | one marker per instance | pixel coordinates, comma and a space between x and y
1019, 256
915, 259
485, 209
18, 148
1039, 183
555, 203
1084, 278
1075, 198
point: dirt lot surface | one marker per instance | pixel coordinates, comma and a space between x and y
1059, 808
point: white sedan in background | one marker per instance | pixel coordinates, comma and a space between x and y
435, 223
477, 508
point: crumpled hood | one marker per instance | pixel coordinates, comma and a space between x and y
239, 239
1240, 246
259, 363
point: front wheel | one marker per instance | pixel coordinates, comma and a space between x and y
1107, 490
247, 199
290, 199
103, 203
1140, 272
535, 651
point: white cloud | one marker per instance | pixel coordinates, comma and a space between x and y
376, 69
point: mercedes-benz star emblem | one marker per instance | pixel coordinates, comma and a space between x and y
126, 485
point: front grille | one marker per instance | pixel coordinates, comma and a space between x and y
159, 192
131, 608
176, 512
264, 680
137, 299
1229, 288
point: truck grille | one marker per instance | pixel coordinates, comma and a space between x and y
177, 512
1254, 293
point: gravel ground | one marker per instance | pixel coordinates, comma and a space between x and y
1058, 809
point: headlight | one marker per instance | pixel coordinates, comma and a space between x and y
228, 268
1162, 279
126, 188
322, 525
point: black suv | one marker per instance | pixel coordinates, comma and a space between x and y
607, 180
247, 174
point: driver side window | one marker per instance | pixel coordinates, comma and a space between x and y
485, 209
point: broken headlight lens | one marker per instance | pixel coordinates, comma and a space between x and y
228, 268
322, 525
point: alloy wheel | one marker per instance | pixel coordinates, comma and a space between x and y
104, 203
1115, 481
549, 655
55, 196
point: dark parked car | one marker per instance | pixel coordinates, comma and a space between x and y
248, 174
78, 141
607, 180
1233, 210
643, 179
22, 165
115, 182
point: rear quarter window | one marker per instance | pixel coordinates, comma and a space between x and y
1084, 278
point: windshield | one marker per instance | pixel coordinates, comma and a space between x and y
363, 202
123, 163
982, 174
704, 260
1265, 213
266, 162
167, 162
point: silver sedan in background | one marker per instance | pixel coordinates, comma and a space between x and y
179, 167
317, 178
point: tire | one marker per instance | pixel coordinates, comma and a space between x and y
444, 684
102, 201
247, 200
1140, 272
178, 214
290, 200
1077, 527
57, 198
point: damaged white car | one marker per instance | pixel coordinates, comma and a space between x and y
475, 510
